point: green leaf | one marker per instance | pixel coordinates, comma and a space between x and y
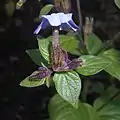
94, 44
36, 56
117, 2
48, 82
92, 64
32, 83
106, 97
108, 105
114, 70
70, 44
59, 109
68, 85
46, 9
114, 56
111, 111
44, 48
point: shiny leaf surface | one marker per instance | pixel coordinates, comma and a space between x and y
93, 44
44, 48
59, 109
68, 85
92, 64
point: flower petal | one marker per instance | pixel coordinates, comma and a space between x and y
72, 25
38, 28
69, 25
44, 24
64, 26
57, 19
53, 19
64, 17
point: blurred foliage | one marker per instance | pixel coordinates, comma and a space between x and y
10, 7
117, 2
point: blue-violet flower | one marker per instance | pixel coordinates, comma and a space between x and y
64, 21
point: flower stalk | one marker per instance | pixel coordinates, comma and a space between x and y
56, 50
79, 13
63, 5
88, 28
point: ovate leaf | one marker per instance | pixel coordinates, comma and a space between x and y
59, 109
46, 9
114, 56
44, 48
117, 2
68, 85
106, 97
93, 44
32, 83
108, 106
70, 44
92, 65
111, 111
36, 56
114, 70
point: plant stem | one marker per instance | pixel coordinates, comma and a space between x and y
55, 36
79, 13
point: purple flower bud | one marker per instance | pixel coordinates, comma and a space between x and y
41, 73
74, 64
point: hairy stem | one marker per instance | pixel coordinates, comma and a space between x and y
55, 37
